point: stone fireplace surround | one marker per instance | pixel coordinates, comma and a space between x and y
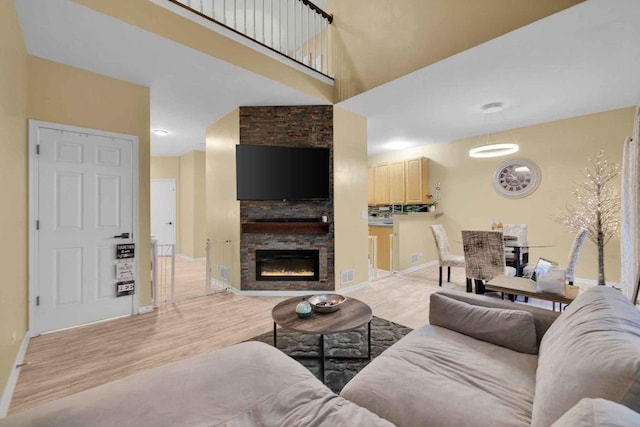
291, 126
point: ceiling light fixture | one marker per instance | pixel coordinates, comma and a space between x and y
495, 149
161, 132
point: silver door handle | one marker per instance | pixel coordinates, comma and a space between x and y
169, 223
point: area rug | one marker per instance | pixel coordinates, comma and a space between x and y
337, 373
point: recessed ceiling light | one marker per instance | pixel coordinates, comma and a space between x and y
161, 132
493, 107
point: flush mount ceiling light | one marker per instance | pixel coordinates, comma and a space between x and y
488, 148
161, 132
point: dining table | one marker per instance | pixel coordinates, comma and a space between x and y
518, 248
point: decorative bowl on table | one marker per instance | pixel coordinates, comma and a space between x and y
326, 303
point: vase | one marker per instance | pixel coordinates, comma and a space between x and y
303, 309
432, 208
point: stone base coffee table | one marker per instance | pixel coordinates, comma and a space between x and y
352, 314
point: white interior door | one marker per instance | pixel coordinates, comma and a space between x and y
163, 211
84, 201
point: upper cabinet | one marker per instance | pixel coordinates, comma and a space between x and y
397, 182
371, 196
381, 179
417, 182
403, 182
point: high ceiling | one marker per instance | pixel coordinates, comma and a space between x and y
585, 59
582, 60
189, 89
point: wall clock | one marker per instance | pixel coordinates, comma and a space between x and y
516, 178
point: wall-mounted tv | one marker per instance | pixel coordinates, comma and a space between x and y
281, 173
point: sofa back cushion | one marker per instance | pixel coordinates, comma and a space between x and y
513, 329
591, 350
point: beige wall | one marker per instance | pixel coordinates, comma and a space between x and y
165, 168
192, 205
377, 41
560, 149
350, 195
158, 20
62, 94
222, 208
413, 237
13, 189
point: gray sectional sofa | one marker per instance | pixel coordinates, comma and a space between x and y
480, 362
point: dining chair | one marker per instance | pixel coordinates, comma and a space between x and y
484, 257
520, 232
446, 259
570, 269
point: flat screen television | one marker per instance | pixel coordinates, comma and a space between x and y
281, 173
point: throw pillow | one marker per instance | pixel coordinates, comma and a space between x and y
513, 329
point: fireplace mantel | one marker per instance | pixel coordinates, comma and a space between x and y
286, 227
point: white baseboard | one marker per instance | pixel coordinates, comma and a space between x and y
590, 282
7, 394
272, 293
416, 267
145, 309
188, 258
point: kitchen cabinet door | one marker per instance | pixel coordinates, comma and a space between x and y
397, 183
371, 195
417, 180
382, 195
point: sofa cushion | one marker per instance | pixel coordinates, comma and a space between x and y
542, 318
591, 350
598, 413
438, 377
246, 384
513, 329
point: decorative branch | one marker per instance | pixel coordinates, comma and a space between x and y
597, 206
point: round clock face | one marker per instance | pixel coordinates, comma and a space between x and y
516, 178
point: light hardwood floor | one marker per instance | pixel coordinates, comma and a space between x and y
190, 278
66, 362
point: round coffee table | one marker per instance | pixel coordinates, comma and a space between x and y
352, 314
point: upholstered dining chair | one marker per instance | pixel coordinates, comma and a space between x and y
484, 257
570, 269
520, 232
446, 259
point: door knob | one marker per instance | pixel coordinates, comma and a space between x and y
169, 223
122, 236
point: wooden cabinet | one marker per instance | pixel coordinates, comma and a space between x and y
417, 180
371, 197
404, 182
381, 179
384, 245
397, 183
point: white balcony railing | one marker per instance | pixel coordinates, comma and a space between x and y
297, 29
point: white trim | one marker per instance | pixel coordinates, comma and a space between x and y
272, 293
145, 309
283, 58
7, 394
135, 176
34, 125
416, 267
591, 282
355, 287
188, 258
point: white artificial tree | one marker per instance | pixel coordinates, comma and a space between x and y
597, 206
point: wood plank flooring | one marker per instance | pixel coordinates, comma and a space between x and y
66, 362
